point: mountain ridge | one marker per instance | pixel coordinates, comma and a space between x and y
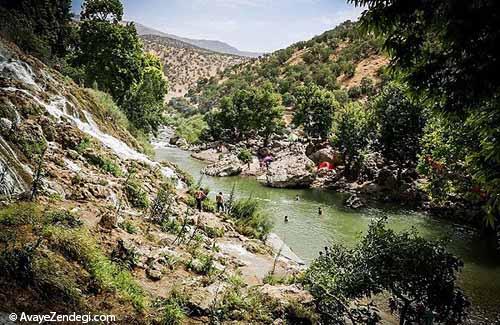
212, 45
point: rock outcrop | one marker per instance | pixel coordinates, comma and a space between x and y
229, 165
290, 171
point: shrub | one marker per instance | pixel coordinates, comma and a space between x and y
83, 145
80, 246
174, 309
129, 227
418, 274
106, 164
64, 218
137, 197
245, 156
191, 128
202, 264
250, 221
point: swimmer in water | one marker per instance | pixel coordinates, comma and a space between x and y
320, 211
286, 218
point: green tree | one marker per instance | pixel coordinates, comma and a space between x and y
449, 55
102, 10
110, 53
249, 112
418, 274
144, 104
314, 110
41, 27
401, 124
443, 160
245, 156
352, 128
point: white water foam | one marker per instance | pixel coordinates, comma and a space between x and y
12, 184
58, 107
17, 70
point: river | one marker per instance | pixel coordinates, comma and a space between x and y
307, 232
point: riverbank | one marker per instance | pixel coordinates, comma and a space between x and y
89, 224
307, 233
294, 164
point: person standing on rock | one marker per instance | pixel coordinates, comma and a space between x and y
219, 199
199, 196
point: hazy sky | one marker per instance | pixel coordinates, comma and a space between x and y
250, 25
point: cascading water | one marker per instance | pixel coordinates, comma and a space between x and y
58, 108
17, 70
10, 182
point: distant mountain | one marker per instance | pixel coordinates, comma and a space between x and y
341, 60
212, 45
185, 64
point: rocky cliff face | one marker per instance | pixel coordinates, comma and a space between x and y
88, 223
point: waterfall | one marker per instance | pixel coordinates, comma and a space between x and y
17, 70
10, 182
58, 106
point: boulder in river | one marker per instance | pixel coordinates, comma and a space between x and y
209, 155
291, 171
227, 166
326, 155
354, 202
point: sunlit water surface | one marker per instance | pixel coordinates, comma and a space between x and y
307, 232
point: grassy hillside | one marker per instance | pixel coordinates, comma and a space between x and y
185, 64
342, 60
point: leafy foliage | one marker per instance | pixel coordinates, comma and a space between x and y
245, 156
110, 55
41, 28
314, 110
447, 54
136, 194
419, 275
250, 221
252, 111
401, 124
352, 129
144, 104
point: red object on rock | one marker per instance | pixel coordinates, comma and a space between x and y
326, 165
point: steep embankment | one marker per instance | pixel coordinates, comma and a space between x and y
185, 64
90, 224
342, 60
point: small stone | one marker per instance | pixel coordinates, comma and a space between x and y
154, 274
5, 125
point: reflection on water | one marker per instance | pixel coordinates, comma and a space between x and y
307, 232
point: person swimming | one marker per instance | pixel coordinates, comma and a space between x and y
320, 211
286, 218
297, 197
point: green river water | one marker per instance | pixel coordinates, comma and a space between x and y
307, 232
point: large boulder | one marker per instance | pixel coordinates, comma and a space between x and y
286, 294
387, 178
227, 166
291, 171
326, 155
209, 155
